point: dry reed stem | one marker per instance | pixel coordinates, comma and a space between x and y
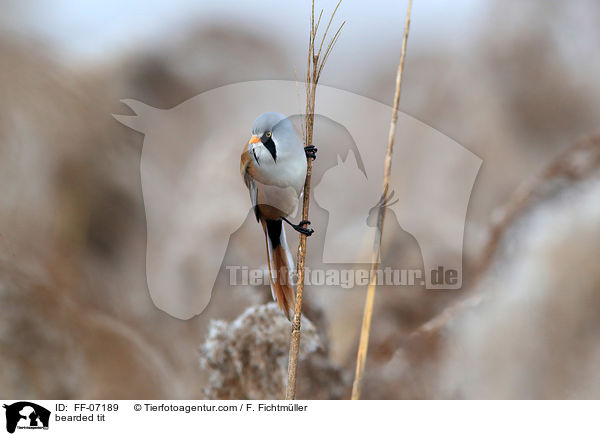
361, 358
315, 64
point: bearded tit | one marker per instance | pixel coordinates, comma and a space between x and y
273, 166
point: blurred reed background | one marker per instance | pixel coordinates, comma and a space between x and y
514, 82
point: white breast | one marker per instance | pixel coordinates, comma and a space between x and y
288, 170
281, 181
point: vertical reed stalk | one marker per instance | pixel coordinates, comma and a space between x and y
361, 359
315, 64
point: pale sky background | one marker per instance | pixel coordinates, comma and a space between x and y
98, 28
87, 33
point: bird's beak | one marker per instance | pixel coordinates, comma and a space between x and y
254, 139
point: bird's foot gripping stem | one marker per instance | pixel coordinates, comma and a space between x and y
311, 151
299, 227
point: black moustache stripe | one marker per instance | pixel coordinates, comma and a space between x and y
270, 145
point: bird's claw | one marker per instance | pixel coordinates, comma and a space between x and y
306, 232
311, 151
299, 227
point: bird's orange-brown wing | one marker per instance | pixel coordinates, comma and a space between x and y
247, 171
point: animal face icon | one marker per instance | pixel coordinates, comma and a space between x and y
26, 414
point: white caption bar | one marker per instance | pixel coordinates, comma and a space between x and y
320, 417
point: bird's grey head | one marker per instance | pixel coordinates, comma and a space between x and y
266, 123
273, 131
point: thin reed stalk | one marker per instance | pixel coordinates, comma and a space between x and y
315, 62
361, 358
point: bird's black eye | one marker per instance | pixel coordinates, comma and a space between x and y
268, 134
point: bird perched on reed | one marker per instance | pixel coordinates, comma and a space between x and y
273, 166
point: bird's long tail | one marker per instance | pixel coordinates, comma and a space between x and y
280, 264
